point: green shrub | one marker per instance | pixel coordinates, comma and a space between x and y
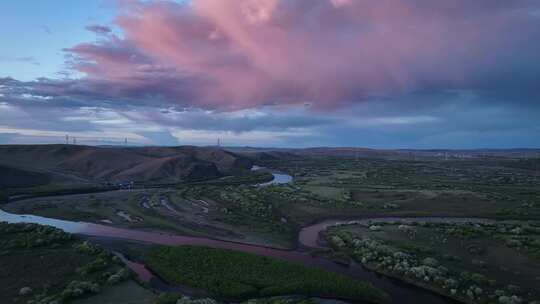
238, 275
94, 266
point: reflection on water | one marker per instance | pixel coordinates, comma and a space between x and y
279, 178
67, 226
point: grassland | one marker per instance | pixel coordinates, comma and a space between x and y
346, 187
237, 275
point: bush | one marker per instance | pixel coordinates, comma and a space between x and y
238, 275
76, 289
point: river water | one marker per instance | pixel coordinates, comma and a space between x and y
399, 291
279, 178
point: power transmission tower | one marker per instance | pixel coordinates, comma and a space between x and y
67, 139
74, 140
125, 141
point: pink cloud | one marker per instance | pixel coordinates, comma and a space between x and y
244, 53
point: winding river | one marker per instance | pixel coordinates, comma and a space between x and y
400, 292
279, 178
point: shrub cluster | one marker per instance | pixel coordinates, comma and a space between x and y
414, 264
232, 274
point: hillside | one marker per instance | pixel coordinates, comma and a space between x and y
112, 164
13, 178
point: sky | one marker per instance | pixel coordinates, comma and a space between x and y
272, 73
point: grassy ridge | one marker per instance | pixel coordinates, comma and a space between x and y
233, 274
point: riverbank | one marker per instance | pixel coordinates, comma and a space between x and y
197, 211
470, 260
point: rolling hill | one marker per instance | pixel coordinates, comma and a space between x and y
114, 164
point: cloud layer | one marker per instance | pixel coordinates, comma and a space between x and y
233, 54
310, 66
